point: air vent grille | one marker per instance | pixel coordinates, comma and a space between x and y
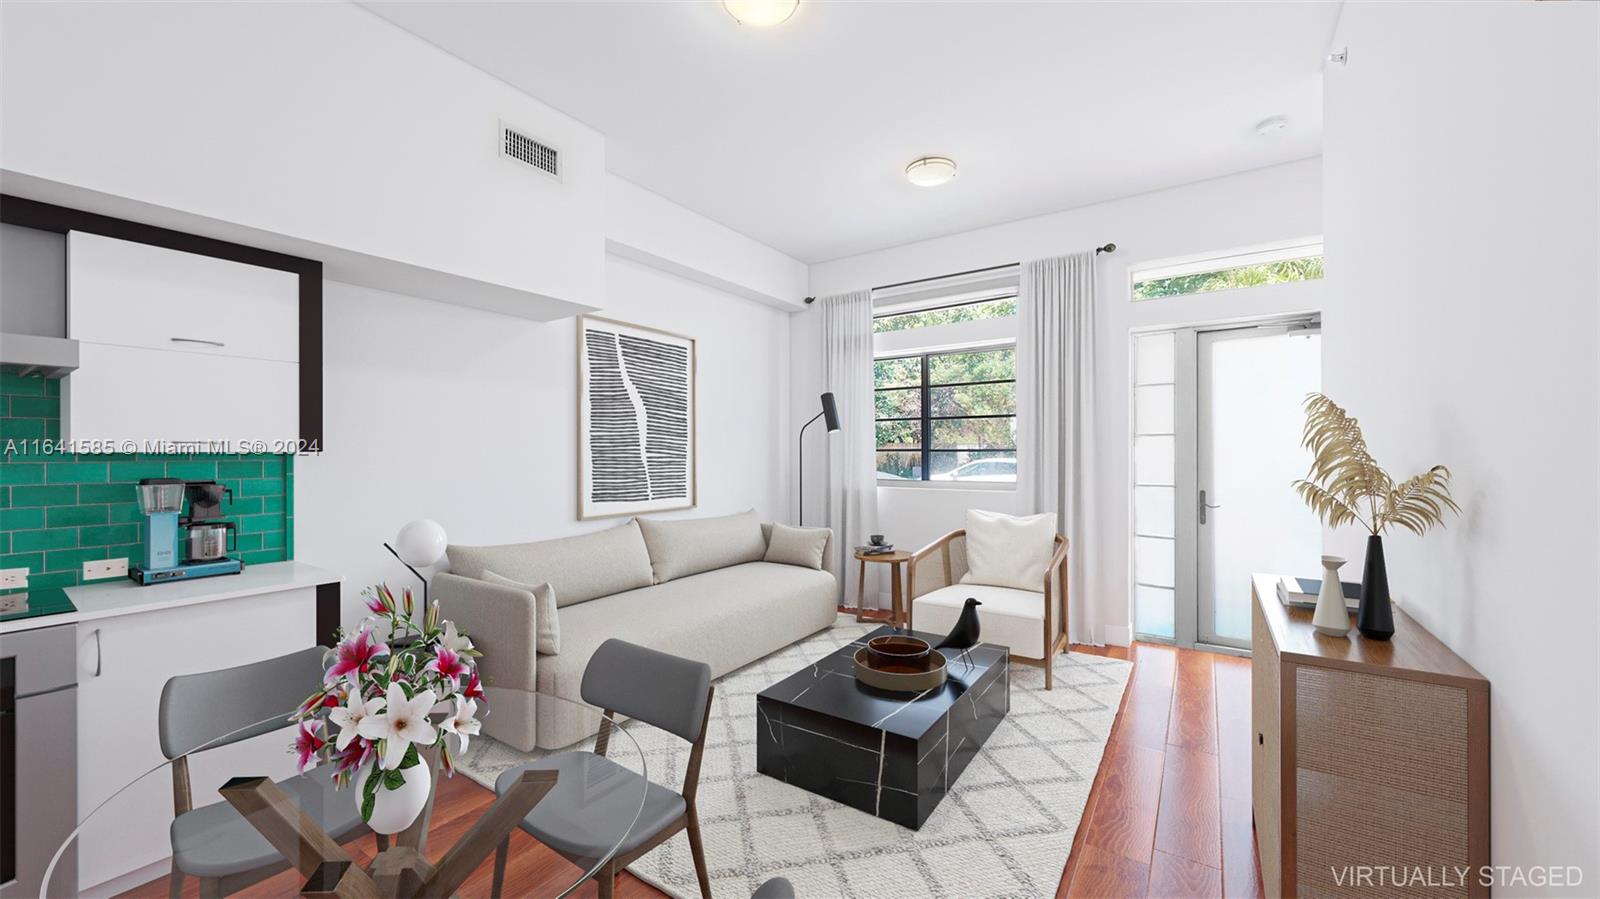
517, 146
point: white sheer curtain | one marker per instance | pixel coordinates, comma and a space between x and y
1056, 466
852, 468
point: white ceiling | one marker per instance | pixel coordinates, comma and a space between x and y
797, 135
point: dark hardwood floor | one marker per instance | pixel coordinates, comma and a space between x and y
1168, 816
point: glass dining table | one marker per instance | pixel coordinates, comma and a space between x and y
266, 832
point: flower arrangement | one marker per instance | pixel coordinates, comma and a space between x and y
372, 713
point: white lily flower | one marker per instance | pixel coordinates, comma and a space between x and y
350, 716
462, 724
403, 722
454, 641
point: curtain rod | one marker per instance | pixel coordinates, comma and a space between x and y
1108, 248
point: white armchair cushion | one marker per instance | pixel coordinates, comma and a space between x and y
1008, 617
547, 626
1007, 550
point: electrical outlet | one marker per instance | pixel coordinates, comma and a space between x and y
13, 578
104, 568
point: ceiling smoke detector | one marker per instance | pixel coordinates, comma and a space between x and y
1272, 125
761, 13
931, 171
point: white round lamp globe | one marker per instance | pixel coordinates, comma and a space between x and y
420, 543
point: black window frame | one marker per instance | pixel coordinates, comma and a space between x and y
925, 418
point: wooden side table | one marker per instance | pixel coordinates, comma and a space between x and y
896, 561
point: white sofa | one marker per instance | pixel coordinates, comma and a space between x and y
696, 588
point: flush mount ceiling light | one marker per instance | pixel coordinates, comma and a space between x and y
761, 13
1271, 125
931, 171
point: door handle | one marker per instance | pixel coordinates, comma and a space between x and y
216, 343
89, 655
1204, 506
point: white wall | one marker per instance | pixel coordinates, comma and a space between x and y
469, 418
319, 121
1461, 198
1273, 204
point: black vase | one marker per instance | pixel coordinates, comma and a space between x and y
1375, 618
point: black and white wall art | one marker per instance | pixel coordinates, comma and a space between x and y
636, 419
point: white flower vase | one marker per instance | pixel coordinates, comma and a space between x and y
395, 810
1331, 617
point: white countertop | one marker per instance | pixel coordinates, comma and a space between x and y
108, 599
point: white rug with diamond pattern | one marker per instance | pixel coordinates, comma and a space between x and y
1005, 829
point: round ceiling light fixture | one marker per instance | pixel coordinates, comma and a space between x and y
931, 171
761, 13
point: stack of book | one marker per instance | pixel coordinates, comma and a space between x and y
1301, 592
880, 549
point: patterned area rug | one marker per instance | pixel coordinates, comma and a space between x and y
1005, 829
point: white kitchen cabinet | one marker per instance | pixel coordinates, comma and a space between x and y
124, 661
176, 346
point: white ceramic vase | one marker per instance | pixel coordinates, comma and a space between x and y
1331, 617
394, 810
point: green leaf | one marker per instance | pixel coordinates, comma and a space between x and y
412, 759
393, 780
369, 792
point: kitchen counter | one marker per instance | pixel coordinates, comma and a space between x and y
112, 598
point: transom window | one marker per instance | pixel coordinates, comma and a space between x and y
1229, 272
947, 416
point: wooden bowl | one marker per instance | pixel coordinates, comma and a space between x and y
898, 652
920, 681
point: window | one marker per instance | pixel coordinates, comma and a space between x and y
1297, 263
1154, 486
947, 416
1000, 307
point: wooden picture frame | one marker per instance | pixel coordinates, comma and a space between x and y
637, 442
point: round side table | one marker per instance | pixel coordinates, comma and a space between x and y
896, 561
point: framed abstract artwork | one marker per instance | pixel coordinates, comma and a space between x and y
636, 419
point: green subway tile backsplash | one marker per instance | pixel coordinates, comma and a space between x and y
59, 510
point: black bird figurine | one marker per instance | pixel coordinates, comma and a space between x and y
964, 635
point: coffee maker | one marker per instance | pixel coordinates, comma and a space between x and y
201, 549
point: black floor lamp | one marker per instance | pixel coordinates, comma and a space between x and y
830, 411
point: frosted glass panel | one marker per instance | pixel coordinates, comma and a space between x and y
1153, 511
1250, 453
1152, 460
1153, 612
1154, 564
1153, 358
1152, 409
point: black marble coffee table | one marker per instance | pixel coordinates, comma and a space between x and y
894, 755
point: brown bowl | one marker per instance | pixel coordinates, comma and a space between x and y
898, 652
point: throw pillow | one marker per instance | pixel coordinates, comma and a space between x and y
1008, 551
680, 547
547, 625
797, 546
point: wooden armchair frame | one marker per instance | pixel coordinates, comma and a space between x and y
1055, 637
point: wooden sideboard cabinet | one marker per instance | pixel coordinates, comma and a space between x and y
1370, 771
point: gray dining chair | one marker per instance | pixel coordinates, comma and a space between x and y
662, 690
200, 712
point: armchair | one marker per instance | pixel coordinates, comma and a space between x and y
1032, 624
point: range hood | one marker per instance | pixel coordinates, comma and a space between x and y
30, 354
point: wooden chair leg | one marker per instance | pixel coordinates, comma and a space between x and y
500, 855
210, 888
606, 879
175, 889
698, 852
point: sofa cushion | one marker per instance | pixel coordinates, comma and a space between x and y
1008, 550
726, 618
1008, 617
578, 568
684, 546
547, 625
797, 546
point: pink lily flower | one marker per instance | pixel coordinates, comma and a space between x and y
355, 656
357, 753
474, 688
374, 602
307, 742
447, 664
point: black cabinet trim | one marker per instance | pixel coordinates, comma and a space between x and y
61, 219
328, 614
